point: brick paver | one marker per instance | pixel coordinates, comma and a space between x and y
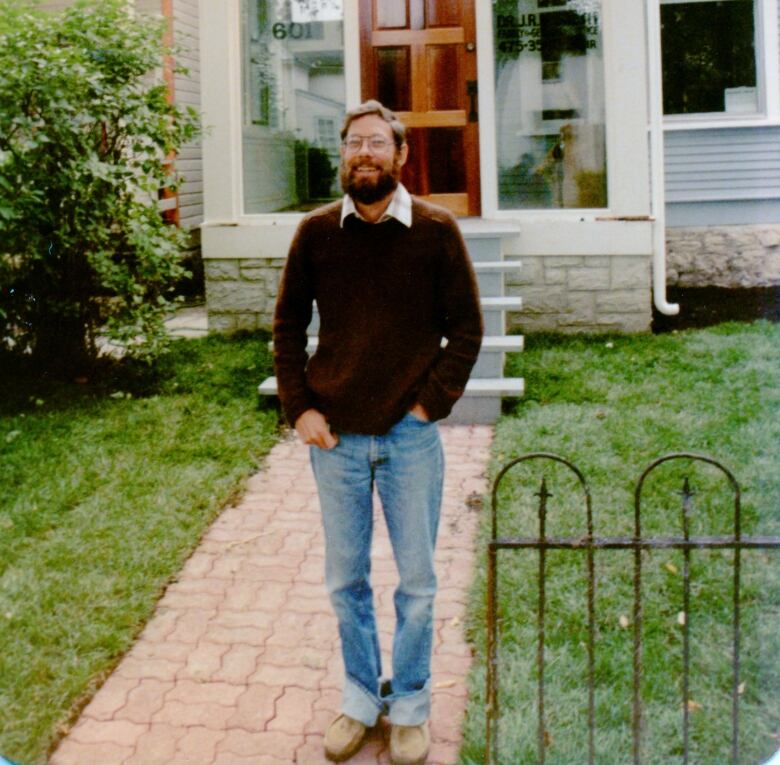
241, 661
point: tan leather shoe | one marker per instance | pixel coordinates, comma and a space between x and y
343, 738
409, 744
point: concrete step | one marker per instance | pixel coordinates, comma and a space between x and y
484, 237
492, 354
497, 343
503, 303
481, 404
493, 309
499, 266
494, 312
508, 387
491, 275
268, 387
498, 303
477, 388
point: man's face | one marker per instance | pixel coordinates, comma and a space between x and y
370, 172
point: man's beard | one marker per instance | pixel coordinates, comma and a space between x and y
370, 190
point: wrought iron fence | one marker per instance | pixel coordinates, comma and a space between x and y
589, 544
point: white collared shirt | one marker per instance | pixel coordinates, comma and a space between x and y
400, 208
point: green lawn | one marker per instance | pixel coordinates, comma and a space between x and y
102, 497
612, 405
104, 491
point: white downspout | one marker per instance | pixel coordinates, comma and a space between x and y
658, 203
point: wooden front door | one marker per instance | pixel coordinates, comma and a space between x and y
419, 58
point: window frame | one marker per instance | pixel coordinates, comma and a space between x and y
552, 120
628, 159
273, 120
765, 41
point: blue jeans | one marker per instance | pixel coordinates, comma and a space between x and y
407, 465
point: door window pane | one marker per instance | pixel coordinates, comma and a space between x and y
435, 163
393, 74
293, 102
443, 72
390, 14
442, 13
709, 57
550, 113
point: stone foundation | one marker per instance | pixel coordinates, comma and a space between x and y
569, 293
560, 293
583, 294
723, 256
241, 292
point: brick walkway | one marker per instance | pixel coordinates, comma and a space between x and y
241, 665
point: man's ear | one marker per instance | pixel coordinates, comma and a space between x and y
403, 154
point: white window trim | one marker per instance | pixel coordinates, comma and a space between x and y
767, 78
488, 173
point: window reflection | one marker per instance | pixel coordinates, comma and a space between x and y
293, 102
550, 128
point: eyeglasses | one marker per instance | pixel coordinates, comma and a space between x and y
376, 143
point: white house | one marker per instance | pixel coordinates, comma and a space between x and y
539, 122
578, 136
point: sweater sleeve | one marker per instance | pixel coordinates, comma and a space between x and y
291, 318
462, 326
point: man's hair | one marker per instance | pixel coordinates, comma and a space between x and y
374, 107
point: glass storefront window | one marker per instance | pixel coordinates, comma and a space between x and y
550, 115
709, 57
293, 102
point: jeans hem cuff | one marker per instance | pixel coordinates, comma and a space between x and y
411, 709
359, 704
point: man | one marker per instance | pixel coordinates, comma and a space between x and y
391, 278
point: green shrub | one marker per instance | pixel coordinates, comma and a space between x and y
86, 131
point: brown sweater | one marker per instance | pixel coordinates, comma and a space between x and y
387, 295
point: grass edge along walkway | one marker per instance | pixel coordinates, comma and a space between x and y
105, 489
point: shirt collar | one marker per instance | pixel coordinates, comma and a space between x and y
400, 208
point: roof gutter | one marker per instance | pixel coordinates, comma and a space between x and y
658, 203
